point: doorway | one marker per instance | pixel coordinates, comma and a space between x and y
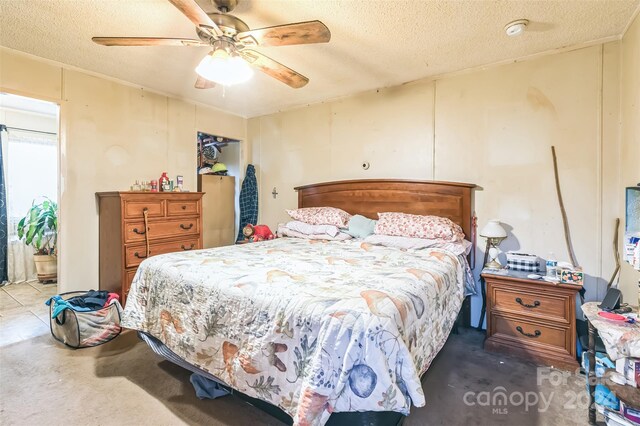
29, 130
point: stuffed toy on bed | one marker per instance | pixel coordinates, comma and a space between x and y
255, 233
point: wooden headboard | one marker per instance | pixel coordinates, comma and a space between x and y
369, 197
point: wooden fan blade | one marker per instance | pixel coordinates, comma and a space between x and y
196, 15
203, 83
285, 35
147, 41
274, 69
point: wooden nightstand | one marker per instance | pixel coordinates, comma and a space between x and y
533, 319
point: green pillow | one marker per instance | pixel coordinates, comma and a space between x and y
360, 226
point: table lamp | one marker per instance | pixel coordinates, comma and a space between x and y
494, 233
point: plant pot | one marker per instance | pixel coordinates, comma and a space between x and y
47, 267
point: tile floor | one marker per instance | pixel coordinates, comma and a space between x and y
23, 314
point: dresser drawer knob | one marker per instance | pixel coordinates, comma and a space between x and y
535, 334
188, 248
139, 232
184, 207
186, 227
136, 254
535, 303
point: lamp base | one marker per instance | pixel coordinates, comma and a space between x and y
493, 265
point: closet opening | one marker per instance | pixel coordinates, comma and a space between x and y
29, 130
219, 176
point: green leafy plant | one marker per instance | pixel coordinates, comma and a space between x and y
39, 228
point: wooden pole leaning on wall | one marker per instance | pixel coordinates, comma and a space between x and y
616, 253
565, 221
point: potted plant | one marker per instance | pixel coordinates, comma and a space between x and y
39, 228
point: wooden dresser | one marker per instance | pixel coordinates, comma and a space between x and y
533, 319
174, 223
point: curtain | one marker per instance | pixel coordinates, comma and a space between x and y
31, 174
248, 200
4, 276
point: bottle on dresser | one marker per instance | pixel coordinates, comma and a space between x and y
163, 182
552, 266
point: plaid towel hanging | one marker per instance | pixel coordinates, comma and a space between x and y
248, 200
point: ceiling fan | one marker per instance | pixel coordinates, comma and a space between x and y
230, 39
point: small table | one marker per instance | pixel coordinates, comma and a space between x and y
621, 340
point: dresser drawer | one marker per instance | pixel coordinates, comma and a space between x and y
133, 209
182, 208
533, 304
533, 334
134, 255
135, 232
128, 279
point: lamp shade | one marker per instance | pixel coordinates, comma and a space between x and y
222, 68
493, 229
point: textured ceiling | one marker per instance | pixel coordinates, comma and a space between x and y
374, 43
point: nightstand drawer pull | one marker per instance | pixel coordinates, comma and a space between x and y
136, 254
188, 248
537, 333
186, 227
139, 232
536, 303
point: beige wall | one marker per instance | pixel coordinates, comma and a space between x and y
111, 135
630, 108
491, 127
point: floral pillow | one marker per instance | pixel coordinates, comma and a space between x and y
416, 226
321, 216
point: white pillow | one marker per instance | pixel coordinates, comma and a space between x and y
308, 229
283, 231
321, 216
408, 243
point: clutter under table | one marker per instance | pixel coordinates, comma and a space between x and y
621, 339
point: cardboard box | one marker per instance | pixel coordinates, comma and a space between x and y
568, 276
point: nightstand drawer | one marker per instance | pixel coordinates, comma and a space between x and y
524, 332
535, 304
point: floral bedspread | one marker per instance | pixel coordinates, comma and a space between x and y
310, 326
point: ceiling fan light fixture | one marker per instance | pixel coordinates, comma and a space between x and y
224, 68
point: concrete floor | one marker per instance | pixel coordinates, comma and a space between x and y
124, 383
23, 314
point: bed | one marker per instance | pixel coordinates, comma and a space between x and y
331, 332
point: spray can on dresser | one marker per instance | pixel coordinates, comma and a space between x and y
163, 182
